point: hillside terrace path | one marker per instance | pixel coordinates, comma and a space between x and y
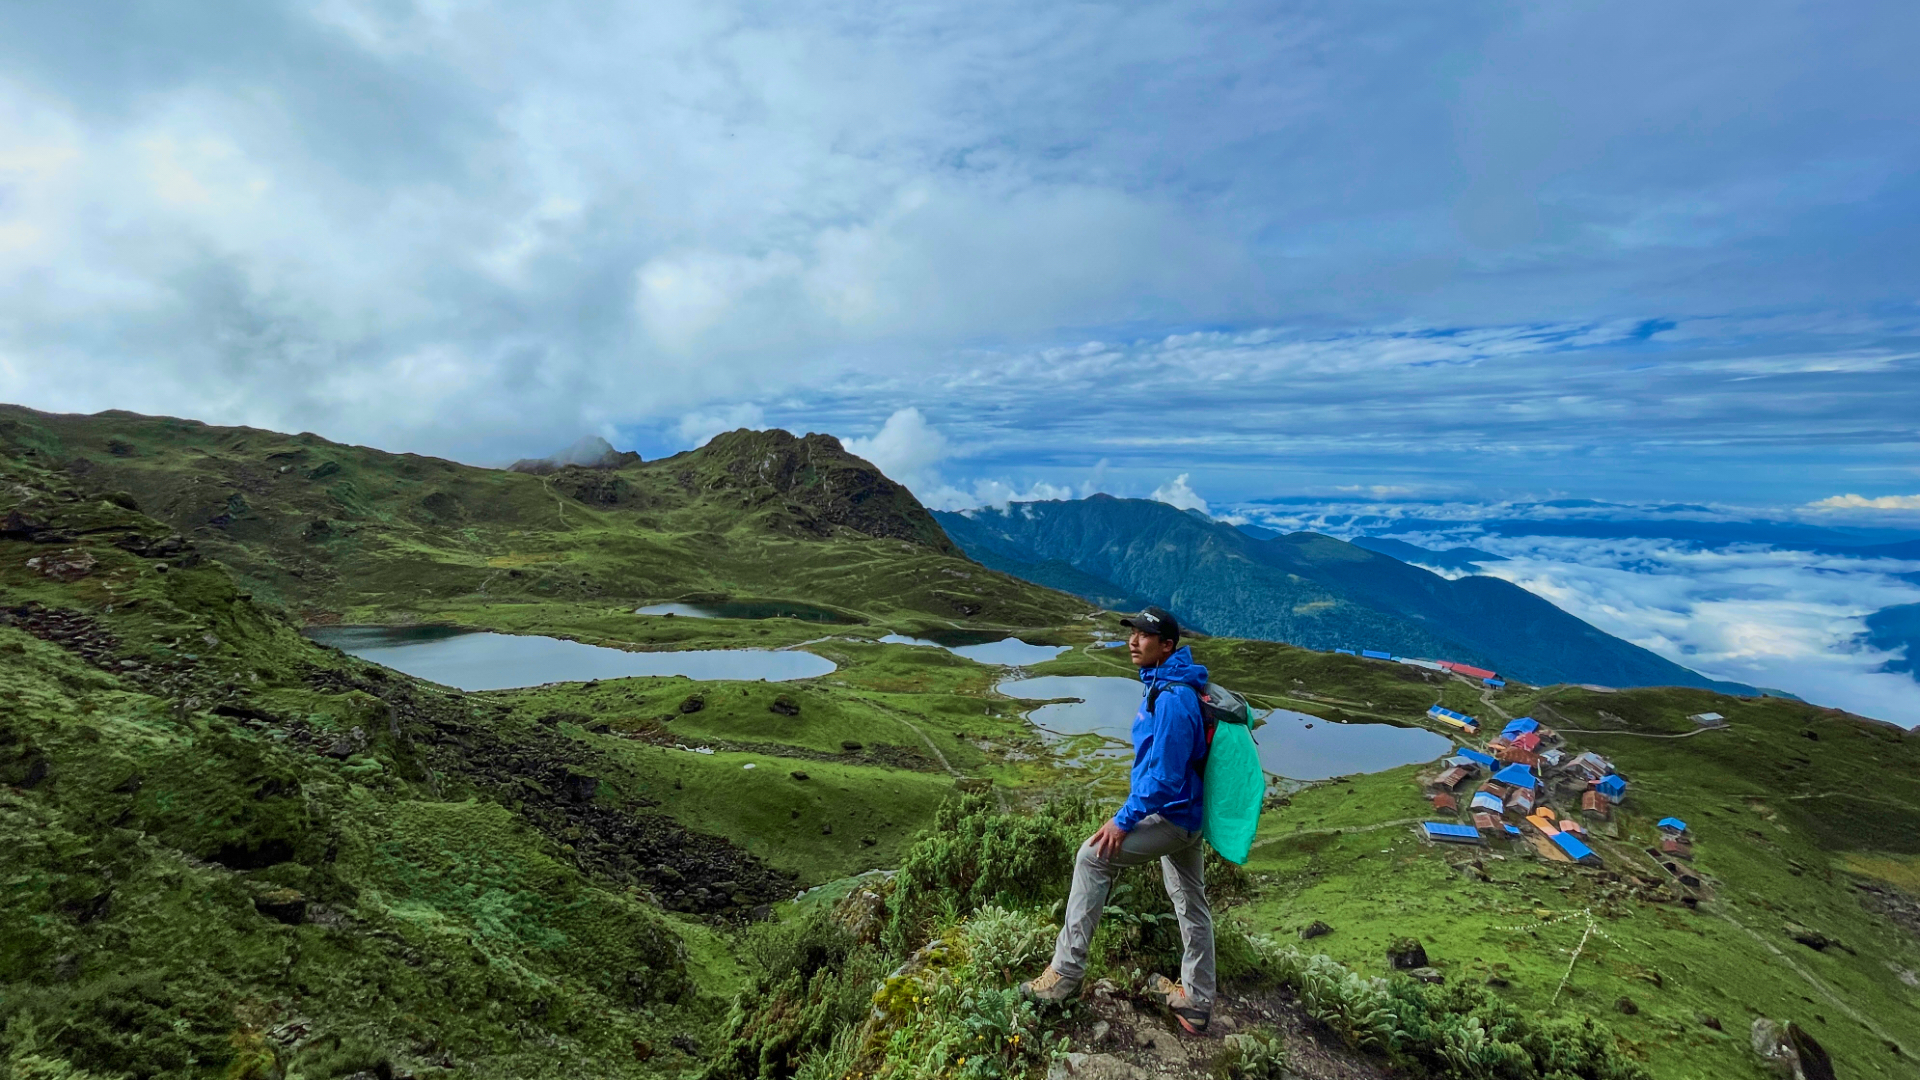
1813, 981
1640, 734
558, 502
998, 794
1340, 830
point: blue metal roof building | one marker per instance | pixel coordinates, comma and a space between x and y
1613, 787
1517, 775
1673, 823
1375, 654
1519, 727
1449, 833
1576, 850
1477, 757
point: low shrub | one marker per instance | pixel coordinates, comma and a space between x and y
815, 984
1459, 1032
1001, 943
1260, 1054
975, 856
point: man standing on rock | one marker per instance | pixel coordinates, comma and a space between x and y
1160, 820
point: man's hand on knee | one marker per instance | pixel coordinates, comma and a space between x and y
1106, 843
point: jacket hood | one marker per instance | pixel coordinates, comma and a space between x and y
1178, 668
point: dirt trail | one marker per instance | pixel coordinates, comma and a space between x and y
1813, 981
1636, 734
1118, 1038
558, 502
1486, 698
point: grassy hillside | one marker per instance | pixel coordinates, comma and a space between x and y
228, 851
1306, 589
344, 533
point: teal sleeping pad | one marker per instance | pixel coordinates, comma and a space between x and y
1232, 789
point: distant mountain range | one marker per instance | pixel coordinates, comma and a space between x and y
1893, 629
1303, 588
1464, 559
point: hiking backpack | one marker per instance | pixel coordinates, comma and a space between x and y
1233, 784
1218, 705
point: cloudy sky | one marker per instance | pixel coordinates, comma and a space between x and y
1633, 250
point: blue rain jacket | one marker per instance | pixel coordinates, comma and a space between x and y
1169, 746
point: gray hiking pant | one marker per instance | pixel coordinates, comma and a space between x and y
1181, 865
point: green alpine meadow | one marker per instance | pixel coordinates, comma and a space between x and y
233, 847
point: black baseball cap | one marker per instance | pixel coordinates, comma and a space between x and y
1157, 621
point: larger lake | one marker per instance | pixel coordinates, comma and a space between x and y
1292, 744
478, 660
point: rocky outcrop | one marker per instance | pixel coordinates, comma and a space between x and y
813, 481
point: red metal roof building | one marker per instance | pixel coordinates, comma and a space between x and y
1514, 755
1596, 804
1451, 778
1468, 670
1445, 802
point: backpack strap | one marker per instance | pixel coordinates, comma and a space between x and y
1208, 722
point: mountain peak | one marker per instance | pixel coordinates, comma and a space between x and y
590, 452
814, 479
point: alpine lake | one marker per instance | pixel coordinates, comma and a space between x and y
1292, 744
482, 660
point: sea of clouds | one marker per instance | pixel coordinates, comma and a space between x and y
1786, 615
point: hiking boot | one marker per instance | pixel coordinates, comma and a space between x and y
1050, 985
1191, 1018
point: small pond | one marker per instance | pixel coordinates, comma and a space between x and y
1009, 652
749, 609
478, 660
1292, 744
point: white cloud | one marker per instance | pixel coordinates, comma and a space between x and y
907, 448
699, 427
910, 451
992, 492
1177, 492
1766, 616
1861, 502
1096, 480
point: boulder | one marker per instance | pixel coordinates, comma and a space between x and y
784, 706
1315, 929
65, 566
1814, 1062
1092, 1067
1405, 953
282, 905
